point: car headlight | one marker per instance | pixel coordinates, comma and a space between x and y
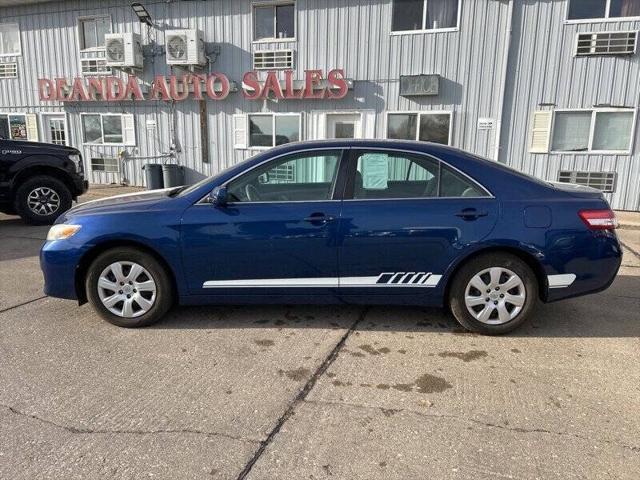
77, 160
62, 231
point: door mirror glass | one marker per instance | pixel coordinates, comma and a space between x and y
218, 196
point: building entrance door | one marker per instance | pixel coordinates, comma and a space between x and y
55, 129
344, 125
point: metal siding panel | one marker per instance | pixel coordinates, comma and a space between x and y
543, 69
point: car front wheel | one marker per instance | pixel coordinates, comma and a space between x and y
493, 294
129, 288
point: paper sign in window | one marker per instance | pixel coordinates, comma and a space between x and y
375, 171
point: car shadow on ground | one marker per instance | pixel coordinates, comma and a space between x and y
610, 314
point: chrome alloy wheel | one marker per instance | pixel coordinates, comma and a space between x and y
495, 296
126, 289
43, 201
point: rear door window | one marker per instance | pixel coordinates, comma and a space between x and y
399, 175
394, 175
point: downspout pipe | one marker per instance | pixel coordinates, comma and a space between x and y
503, 80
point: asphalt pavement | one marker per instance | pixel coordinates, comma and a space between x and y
314, 392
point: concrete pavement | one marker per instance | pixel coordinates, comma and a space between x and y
315, 392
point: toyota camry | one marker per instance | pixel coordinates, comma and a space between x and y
361, 222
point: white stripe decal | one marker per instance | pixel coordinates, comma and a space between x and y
561, 281
410, 280
329, 282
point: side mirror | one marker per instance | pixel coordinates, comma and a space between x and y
218, 196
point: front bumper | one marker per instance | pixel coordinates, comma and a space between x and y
59, 261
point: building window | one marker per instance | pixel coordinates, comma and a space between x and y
606, 43
599, 130
602, 9
108, 129
269, 130
92, 31
19, 126
9, 39
274, 21
418, 15
424, 126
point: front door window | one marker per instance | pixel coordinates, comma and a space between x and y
293, 178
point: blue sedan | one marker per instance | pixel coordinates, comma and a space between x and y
361, 222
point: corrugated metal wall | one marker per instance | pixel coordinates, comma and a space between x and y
354, 35
350, 34
544, 70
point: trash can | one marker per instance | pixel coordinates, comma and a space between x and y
173, 175
153, 174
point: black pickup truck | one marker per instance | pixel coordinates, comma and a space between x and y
38, 181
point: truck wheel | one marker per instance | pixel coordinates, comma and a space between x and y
42, 199
493, 294
128, 287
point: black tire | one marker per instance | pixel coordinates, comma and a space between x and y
48, 184
164, 295
479, 264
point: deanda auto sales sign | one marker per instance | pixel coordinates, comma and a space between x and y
215, 86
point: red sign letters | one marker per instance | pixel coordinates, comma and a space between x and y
215, 86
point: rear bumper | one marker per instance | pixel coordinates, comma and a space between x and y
592, 268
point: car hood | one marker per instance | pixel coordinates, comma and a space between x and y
127, 201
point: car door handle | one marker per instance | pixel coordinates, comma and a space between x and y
319, 218
471, 214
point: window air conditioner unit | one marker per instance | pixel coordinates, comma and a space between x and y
185, 47
123, 50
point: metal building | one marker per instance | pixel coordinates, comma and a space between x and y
550, 87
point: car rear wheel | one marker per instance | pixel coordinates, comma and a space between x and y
129, 288
493, 294
42, 199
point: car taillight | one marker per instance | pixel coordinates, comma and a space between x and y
599, 219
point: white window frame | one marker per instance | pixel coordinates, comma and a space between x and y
424, 21
43, 125
24, 114
19, 52
122, 121
80, 32
606, 17
635, 46
274, 115
419, 113
274, 4
328, 114
592, 127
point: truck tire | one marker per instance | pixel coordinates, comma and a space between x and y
42, 199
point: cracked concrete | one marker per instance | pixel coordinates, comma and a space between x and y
87, 431
315, 392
